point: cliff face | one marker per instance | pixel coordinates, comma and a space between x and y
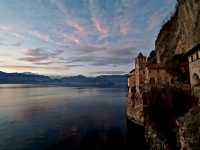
177, 36
181, 32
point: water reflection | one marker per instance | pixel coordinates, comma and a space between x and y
63, 118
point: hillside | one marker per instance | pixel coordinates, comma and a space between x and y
74, 81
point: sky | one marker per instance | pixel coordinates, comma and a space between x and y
72, 37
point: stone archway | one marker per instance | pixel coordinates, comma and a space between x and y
195, 79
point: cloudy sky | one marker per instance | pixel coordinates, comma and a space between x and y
70, 37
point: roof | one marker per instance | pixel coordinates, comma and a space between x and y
132, 71
140, 55
193, 50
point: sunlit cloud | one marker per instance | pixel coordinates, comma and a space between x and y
154, 21
11, 31
20, 32
101, 60
40, 56
4, 28
71, 38
30, 67
17, 44
124, 27
57, 70
101, 27
41, 36
77, 26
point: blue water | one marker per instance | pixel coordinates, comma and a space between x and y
45, 118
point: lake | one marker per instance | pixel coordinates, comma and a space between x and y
62, 118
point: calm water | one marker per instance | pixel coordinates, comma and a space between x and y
51, 118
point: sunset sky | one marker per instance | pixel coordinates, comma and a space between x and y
71, 37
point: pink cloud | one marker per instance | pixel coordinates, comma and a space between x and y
100, 27
42, 36
4, 28
71, 38
124, 27
12, 31
76, 26
154, 21
70, 20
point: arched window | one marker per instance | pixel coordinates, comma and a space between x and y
152, 81
195, 79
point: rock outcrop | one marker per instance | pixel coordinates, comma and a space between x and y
181, 32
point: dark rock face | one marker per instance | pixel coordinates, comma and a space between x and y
181, 32
164, 107
135, 137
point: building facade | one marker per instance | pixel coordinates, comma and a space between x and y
157, 75
143, 74
194, 69
194, 65
147, 74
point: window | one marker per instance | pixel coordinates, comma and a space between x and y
197, 55
195, 79
192, 58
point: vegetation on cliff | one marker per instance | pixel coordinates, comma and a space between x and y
178, 67
191, 122
162, 108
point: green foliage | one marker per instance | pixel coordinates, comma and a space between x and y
192, 121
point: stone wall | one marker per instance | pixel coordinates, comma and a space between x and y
158, 76
196, 91
195, 73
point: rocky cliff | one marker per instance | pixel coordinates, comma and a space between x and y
181, 32
170, 124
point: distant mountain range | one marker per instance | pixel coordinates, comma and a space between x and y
117, 81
